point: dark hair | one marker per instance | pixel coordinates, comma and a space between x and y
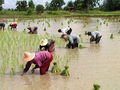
49, 44
89, 33
59, 30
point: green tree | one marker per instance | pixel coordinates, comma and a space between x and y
111, 5
47, 6
78, 4
86, 4
1, 2
21, 5
31, 4
70, 6
56, 4
39, 9
1, 7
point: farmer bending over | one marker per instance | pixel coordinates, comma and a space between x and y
2, 26
95, 36
13, 26
32, 30
45, 44
67, 30
73, 40
41, 60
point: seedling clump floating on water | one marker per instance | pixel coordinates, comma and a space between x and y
81, 46
55, 68
96, 87
65, 72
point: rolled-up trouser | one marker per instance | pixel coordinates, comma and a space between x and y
44, 68
97, 40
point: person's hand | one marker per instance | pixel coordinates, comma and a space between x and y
22, 74
33, 70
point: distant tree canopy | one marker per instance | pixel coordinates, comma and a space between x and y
31, 4
111, 5
47, 6
1, 2
70, 6
56, 4
21, 5
86, 4
39, 8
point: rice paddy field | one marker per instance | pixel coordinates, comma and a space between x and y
96, 64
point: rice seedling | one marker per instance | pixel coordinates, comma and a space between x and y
55, 68
81, 46
97, 27
119, 32
98, 20
111, 36
81, 39
45, 29
96, 87
65, 72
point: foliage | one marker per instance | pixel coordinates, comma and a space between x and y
1, 2
39, 8
21, 5
86, 4
111, 5
70, 6
31, 4
56, 4
47, 6
1, 7
29, 11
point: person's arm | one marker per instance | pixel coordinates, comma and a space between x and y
33, 70
26, 67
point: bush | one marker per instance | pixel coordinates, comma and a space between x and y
39, 9
29, 11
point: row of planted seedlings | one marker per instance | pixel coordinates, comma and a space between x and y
12, 46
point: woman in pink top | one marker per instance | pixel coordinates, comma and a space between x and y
41, 60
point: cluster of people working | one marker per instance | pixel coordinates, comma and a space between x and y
43, 58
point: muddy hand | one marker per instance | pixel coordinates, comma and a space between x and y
33, 70
22, 74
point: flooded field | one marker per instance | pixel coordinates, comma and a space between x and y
96, 64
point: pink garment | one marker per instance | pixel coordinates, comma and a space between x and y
41, 57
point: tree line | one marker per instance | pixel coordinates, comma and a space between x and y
108, 5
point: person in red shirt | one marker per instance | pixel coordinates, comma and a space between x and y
13, 26
41, 59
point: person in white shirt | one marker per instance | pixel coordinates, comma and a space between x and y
95, 36
67, 30
32, 30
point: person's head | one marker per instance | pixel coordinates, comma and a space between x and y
28, 56
51, 45
35, 29
29, 28
65, 37
89, 33
59, 30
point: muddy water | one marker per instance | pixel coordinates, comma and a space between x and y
98, 64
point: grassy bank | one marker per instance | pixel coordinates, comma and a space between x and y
47, 14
